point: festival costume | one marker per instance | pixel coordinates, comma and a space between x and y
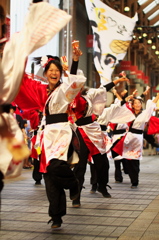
131, 145
55, 142
116, 113
118, 131
92, 139
12, 67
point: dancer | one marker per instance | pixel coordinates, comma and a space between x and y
131, 145
11, 70
92, 139
56, 139
116, 113
120, 130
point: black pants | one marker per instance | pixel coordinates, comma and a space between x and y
100, 162
59, 176
93, 179
37, 176
133, 171
118, 167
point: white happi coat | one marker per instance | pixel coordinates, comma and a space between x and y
115, 137
114, 114
8, 166
96, 99
133, 143
57, 136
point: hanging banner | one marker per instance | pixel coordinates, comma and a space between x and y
112, 33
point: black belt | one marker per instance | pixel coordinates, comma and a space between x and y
5, 108
119, 131
55, 118
137, 131
84, 121
103, 127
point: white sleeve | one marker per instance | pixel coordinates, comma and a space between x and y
98, 97
41, 16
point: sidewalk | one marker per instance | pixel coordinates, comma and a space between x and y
129, 214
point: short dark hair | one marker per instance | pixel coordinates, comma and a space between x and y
56, 63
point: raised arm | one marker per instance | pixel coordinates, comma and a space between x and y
156, 98
115, 82
76, 55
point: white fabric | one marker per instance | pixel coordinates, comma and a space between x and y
96, 98
114, 114
96, 136
133, 143
7, 165
57, 136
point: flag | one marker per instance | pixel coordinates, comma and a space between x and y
112, 33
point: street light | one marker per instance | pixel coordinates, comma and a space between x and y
126, 9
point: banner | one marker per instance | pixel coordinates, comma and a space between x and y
112, 33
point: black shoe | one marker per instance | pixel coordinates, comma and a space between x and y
104, 192
94, 188
134, 186
118, 181
38, 183
74, 192
55, 224
76, 203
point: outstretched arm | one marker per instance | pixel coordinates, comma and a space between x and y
115, 82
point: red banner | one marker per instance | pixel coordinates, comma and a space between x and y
125, 65
89, 41
140, 74
133, 70
146, 79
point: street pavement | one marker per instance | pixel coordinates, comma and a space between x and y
131, 214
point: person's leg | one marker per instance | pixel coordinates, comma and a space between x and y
102, 168
80, 168
134, 169
57, 201
37, 176
93, 179
61, 173
118, 173
125, 165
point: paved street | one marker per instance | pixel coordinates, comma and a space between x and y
129, 214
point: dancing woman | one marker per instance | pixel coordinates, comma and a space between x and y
56, 139
131, 145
